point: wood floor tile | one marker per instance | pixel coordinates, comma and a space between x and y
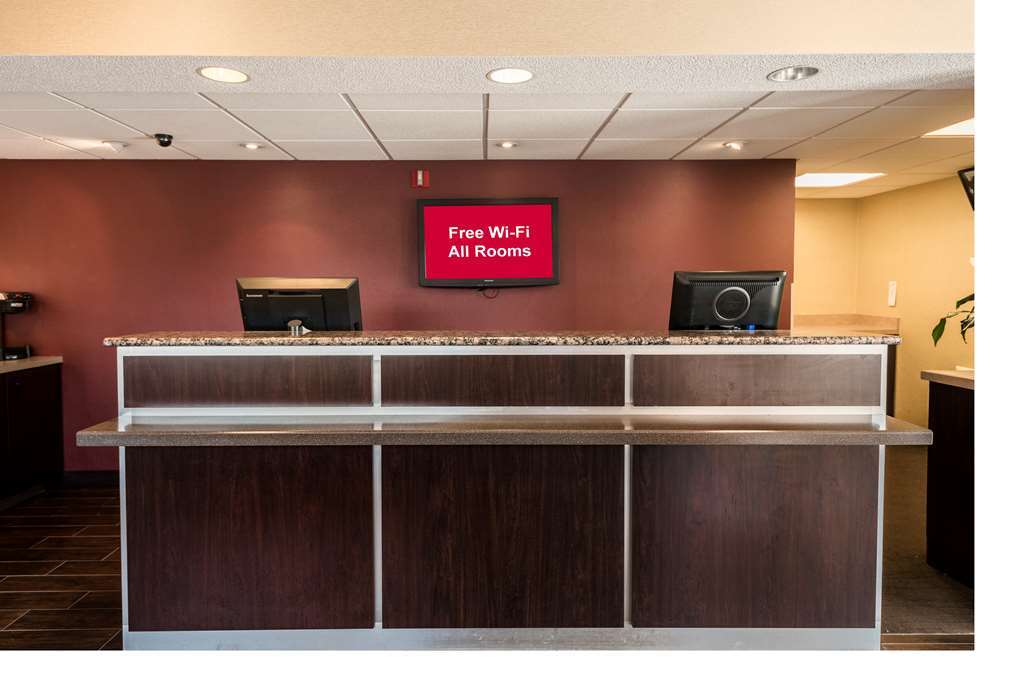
40, 554
37, 600
78, 567
115, 643
27, 568
927, 646
86, 639
57, 619
9, 616
107, 543
99, 599
60, 583
102, 530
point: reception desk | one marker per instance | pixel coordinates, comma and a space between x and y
458, 490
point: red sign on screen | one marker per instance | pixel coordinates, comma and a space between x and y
481, 243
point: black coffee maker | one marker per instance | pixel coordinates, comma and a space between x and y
12, 303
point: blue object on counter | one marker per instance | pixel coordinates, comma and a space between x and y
751, 328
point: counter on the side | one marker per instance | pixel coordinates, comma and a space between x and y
483, 490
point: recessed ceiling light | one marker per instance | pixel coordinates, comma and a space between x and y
792, 73
832, 179
507, 144
734, 145
961, 129
252, 145
510, 75
115, 145
222, 74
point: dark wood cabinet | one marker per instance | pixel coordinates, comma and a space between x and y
31, 428
950, 494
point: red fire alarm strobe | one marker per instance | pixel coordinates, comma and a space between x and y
420, 178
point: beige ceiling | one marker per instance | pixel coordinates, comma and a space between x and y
483, 27
849, 131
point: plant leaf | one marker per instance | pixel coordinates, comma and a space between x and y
938, 330
965, 300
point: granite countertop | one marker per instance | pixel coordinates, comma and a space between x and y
28, 363
964, 379
468, 338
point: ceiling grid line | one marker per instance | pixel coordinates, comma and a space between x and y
731, 118
365, 124
248, 126
603, 125
50, 141
486, 126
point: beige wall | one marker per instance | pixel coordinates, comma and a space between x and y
825, 257
482, 27
921, 237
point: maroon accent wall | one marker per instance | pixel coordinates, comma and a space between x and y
133, 246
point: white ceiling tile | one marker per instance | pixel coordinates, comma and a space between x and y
784, 123
32, 100
907, 154
333, 150
830, 98
68, 123
937, 98
810, 166
539, 125
11, 134
434, 149
538, 149
691, 100
896, 122
637, 124
304, 125
465, 101
855, 191
34, 148
752, 149
948, 166
284, 101
150, 100
604, 103
605, 148
807, 192
136, 148
233, 150
833, 150
425, 125
211, 124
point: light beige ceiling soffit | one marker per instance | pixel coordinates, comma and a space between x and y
482, 27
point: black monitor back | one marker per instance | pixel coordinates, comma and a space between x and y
322, 304
721, 300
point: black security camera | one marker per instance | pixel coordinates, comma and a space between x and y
164, 139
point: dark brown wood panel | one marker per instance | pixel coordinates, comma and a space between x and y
249, 538
503, 536
500, 380
950, 476
754, 537
757, 379
247, 380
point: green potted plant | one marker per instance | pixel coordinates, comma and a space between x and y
965, 322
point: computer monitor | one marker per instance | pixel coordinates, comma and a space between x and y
723, 300
269, 303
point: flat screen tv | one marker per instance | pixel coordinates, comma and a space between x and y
485, 243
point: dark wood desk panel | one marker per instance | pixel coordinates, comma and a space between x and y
504, 380
757, 379
31, 428
950, 477
247, 380
754, 537
503, 536
249, 538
